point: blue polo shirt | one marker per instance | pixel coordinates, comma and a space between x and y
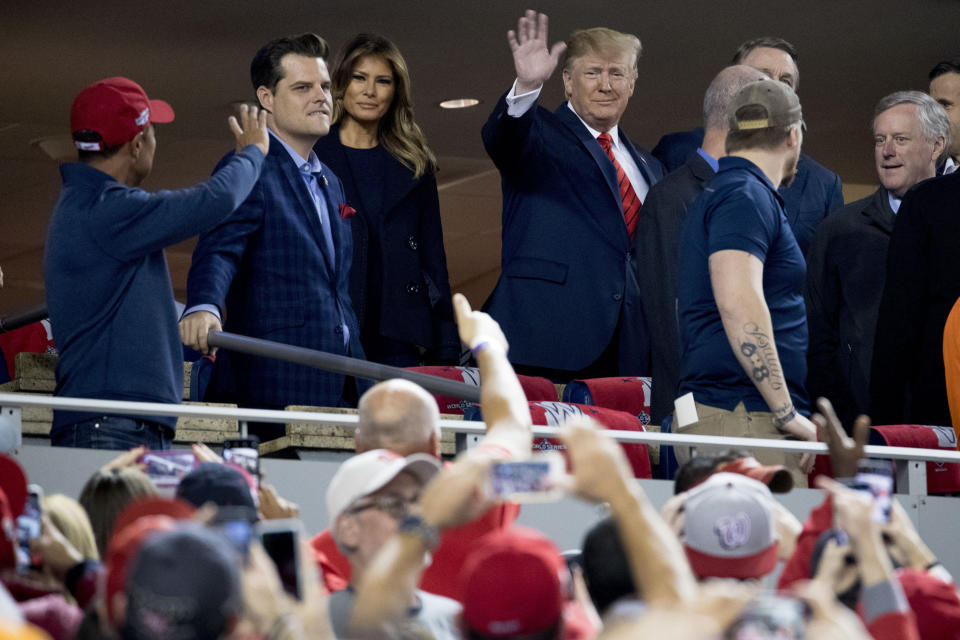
739, 209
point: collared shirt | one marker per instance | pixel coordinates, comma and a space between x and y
312, 172
740, 209
713, 162
949, 166
517, 105
894, 202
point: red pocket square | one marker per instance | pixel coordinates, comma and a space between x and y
346, 211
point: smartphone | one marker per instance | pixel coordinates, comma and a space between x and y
876, 478
29, 526
165, 468
535, 480
245, 453
281, 541
236, 523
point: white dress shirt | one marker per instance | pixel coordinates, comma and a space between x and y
517, 105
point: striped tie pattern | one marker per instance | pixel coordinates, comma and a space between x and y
628, 198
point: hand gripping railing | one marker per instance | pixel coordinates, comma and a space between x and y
344, 365
911, 477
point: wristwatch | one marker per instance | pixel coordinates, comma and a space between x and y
428, 535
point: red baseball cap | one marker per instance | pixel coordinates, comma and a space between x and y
934, 602
174, 508
117, 109
511, 584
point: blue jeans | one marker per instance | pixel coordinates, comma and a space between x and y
111, 432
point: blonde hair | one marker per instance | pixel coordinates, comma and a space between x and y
398, 132
602, 41
71, 520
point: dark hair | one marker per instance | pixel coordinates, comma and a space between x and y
86, 135
945, 66
766, 138
769, 42
693, 472
266, 69
397, 131
553, 632
606, 569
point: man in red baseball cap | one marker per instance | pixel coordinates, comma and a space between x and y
108, 288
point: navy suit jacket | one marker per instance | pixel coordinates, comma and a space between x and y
566, 267
815, 192
266, 268
907, 380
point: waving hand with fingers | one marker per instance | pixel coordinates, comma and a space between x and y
533, 59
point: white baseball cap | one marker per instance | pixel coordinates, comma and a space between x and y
369, 472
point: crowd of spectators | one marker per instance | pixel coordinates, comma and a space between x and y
417, 547
128, 563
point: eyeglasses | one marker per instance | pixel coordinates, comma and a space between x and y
396, 507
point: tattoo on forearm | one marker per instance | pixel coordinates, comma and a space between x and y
783, 411
760, 351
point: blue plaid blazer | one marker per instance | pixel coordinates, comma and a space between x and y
265, 268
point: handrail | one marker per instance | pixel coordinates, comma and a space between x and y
22, 319
344, 365
457, 426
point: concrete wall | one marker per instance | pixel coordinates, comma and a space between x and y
304, 481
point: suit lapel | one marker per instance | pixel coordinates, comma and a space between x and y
336, 222
645, 170
292, 175
880, 212
570, 119
700, 168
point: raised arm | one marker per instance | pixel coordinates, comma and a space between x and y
504, 404
138, 223
533, 60
601, 473
737, 280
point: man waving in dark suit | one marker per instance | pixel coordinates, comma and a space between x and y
279, 267
573, 188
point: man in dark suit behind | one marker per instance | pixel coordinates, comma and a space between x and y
573, 185
845, 267
279, 267
907, 384
815, 191
658, 231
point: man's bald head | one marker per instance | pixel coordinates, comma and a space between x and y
726, 84
400, 416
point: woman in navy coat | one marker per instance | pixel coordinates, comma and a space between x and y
398, 281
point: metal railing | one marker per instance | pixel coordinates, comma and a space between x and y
911, 478
9, 323
344, 365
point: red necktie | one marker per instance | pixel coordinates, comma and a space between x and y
628, 197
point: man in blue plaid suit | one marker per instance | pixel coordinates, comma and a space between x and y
279, 267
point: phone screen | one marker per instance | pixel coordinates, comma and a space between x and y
528, 481
166, 467
236, 525
281, 546
245, 453
876, 478
29, 526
